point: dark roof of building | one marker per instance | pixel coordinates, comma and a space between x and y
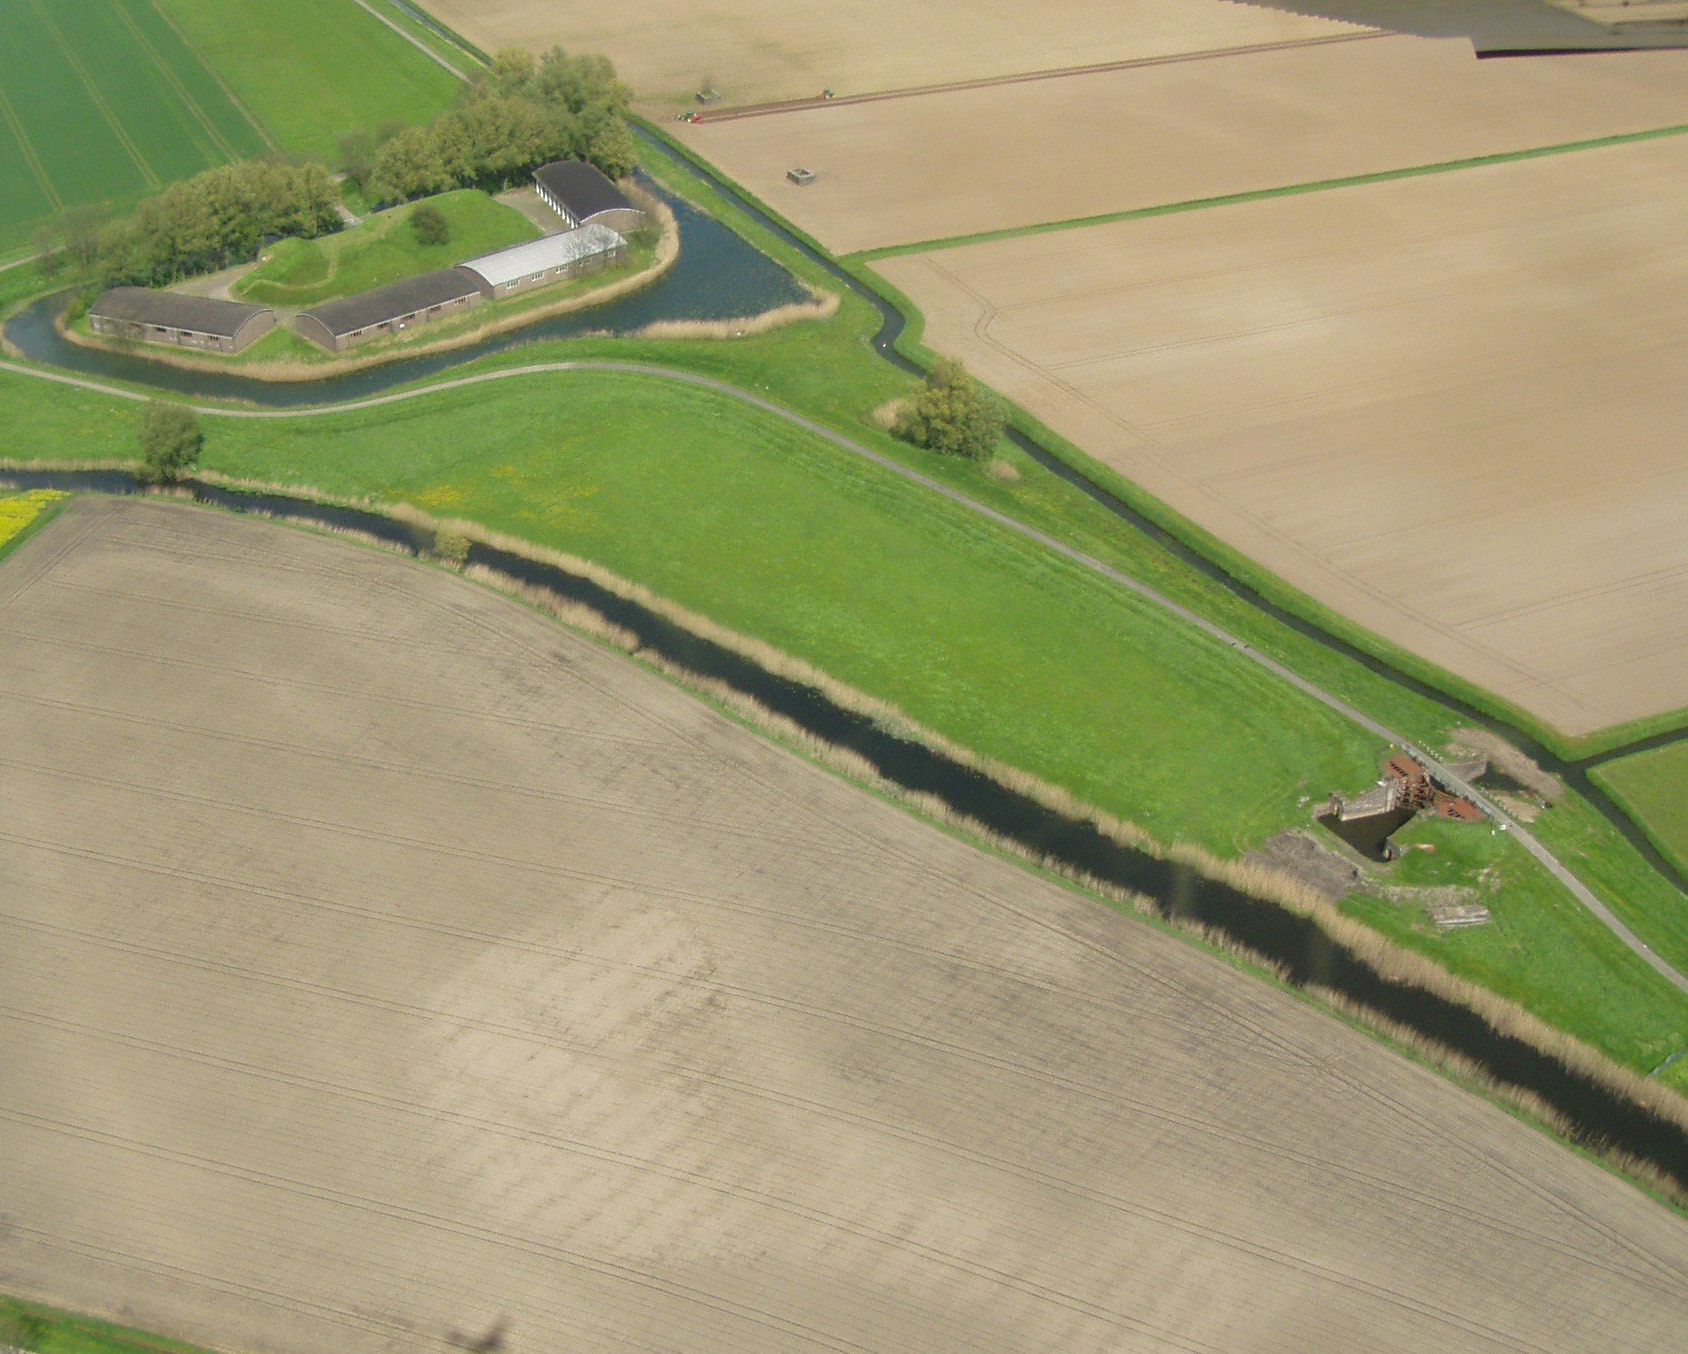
172, 310
349, 314
581, 187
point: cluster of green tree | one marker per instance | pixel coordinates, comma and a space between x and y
950, 413
519, 114
210, 221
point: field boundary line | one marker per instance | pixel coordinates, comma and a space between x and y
218, 141
92, 86
256, 122
1265, 194
759, 110
14, 124
1154, 596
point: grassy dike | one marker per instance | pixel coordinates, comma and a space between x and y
974, 633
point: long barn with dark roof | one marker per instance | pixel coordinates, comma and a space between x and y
351, 320
183, 321
581, 195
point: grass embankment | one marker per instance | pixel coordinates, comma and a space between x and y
982, 637
310, 71
1652, 787
382, 249
45, 1330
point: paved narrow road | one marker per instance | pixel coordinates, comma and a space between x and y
1527, 839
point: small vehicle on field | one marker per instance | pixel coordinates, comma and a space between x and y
800, 176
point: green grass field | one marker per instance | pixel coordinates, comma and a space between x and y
1652, 787
381, 250
312, 71
102, 102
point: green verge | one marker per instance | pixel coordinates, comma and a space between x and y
1263, 194
1652, 788
973, 633
382, 249
313, 70
46, 1330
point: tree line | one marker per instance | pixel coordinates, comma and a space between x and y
519, 114
216, 219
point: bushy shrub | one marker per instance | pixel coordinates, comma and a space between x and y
949, 413
430, 225
452, 548
170, 441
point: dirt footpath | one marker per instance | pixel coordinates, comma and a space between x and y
1448, 407
752, 50
383, 961
926, 168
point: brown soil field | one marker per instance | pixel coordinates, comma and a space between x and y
754, 50
383, 960
1449, 407
934, 166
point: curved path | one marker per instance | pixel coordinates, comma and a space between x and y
1444, 773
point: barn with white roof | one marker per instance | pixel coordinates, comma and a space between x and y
540, 263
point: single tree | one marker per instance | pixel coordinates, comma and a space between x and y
430, 225
949, 413
170, 441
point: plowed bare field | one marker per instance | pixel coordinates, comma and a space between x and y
382, 960
1449, 407
753, 50
939, 165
